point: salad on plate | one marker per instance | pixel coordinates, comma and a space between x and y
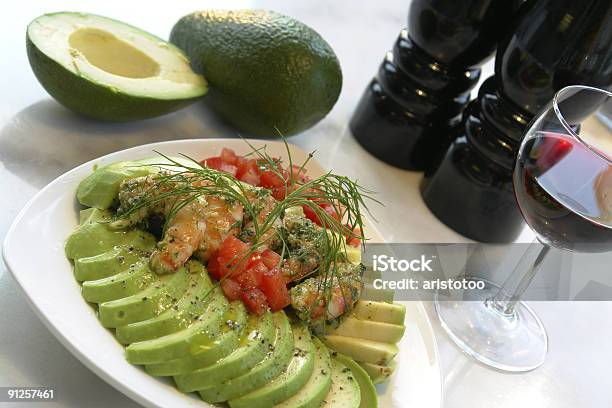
238, 276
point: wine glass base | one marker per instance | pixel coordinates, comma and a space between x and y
515, 342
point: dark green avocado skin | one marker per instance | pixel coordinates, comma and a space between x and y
95, 100
267, 72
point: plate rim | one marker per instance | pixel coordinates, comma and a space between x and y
85, 359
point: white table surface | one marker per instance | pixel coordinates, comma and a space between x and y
39, 140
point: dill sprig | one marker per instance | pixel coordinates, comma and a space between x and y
182, 183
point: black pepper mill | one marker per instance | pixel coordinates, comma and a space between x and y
555, 43
422, 86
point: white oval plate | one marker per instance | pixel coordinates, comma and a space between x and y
34, 253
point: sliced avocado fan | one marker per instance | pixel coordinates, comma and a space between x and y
109, 70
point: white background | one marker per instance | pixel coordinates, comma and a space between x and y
39, 140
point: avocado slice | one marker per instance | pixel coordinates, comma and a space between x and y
253, 348
290, 381
344, 392
160, 295
369, 399
109, 70
378, 295
367, 329
224, 344
135, 278
94, 238
361, 349
393, 313
91, 215
190, 305
199, 335
100, 188
108, 263
316, 388
378, 373
263, 372
269, 74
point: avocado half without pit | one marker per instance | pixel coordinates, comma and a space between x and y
109, 70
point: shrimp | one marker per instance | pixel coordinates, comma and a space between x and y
134, 191
222, 220
303, 240
198, 228
184, 234
263, 203
328, 296
295, 233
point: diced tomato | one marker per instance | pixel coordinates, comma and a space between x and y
258, 266
258, 279
251, 177
232, 246
231, 255
310, 214
231, 289
251, 276
218, 164
279, 192
229, 168
255, 301
270, 179
330, 210
298, 173
213, 266
327, 207
212, 162
244, 165
274, 287
255, 257
249, 171
354, 241
228, 156
270, 258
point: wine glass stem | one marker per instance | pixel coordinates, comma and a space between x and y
515, 285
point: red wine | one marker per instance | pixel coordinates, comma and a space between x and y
564, 191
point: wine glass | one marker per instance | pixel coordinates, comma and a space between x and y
563, 185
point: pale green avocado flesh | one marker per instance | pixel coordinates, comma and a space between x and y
253, 347
367, 390
190, 305
182, 325
290, 381
160, 295
100, 188
392, 313
378, 373
223, 345
199, 335
316, 388
272, 365
368, 329
360, 349
109, 70
344, 391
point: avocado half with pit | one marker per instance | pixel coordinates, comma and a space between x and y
109, 70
